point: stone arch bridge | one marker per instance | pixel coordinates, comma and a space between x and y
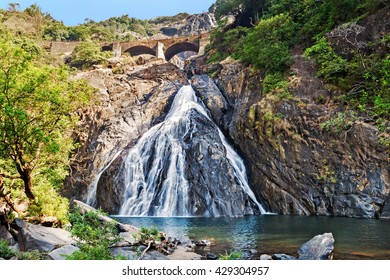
164, 48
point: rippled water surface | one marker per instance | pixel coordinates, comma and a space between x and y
355, 238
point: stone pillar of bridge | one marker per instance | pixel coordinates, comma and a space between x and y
117, 49
160, 50
204, 40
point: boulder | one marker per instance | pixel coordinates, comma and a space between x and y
282, 257
35, 237
211, 256
126, 252
4, 233
319, 247
127, 238
265, 257
62, 252
385, 214
129, 253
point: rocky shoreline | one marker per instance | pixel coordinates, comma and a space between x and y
55, 243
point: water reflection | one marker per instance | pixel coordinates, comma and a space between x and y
355, 238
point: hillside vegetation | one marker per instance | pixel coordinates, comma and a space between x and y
266, 34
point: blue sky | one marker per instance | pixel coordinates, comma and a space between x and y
73, 12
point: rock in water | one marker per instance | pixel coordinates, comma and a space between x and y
282, 257
319, 247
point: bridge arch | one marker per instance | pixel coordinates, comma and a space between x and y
180, 47
138, 50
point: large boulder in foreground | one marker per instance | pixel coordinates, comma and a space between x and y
320, 247
63, 252
33, 237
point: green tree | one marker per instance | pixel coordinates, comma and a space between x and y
87, 54
267, 46
56, 31
95, 237
38, 106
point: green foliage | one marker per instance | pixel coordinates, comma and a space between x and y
331, 66
341, 122
247, 12
38, 106
225, 43
95, 236
232, 255
87, 54
31, 255
266, 47
5, 252
48, 202
145, 235
275, 82
79, 33
56, 31
365, 79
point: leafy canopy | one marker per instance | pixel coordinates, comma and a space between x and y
38, 105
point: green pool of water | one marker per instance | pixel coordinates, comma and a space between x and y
355, 238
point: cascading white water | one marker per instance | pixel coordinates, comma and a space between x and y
155, 172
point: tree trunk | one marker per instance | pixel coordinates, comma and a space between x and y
7, 199
26, 176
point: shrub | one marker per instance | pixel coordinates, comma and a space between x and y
31, 255
145, 235
225, 43
95, 236
87, 54
275, 82
266, 47
331, 66
232, 255
5, 251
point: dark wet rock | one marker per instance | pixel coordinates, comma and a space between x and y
385, 213
282, 257
4, 233
358, 206
319, 247
211, 256
211, 96
201, 243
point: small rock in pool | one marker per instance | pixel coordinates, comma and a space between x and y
211, 256
201, 242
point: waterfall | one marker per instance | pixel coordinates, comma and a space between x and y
158, 172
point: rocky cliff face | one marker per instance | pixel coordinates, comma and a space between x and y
294, 165
192, 25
